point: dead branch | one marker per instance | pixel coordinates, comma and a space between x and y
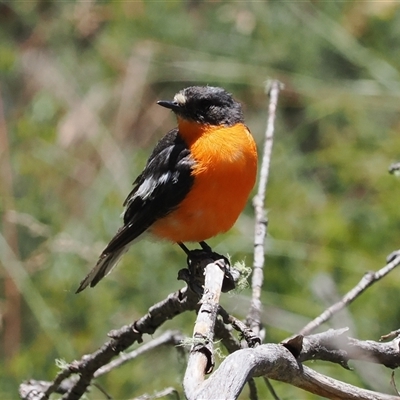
169, 337
224, 333
201, 359
336, 347
366, 281
247, 334
276, 362
254, 315
158, 395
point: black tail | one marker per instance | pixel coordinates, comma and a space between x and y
106, 263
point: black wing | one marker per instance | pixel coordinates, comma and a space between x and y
163, 184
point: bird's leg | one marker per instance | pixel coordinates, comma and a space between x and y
196, 255
205, 246
184, 248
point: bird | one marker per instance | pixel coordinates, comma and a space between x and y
196, 181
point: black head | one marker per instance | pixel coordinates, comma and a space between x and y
206, 104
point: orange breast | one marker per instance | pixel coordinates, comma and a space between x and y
225, 173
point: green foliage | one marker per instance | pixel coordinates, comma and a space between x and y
79, 82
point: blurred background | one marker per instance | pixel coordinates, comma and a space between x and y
78, 119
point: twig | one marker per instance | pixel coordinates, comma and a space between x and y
246, 333
254, 315
271, 389
334, 346
367, 280
35, 390
393, 383
253, 395
102, 390
169, 337
390, 335
224, 333
231, 344
158, 395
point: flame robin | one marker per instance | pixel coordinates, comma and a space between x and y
196, 181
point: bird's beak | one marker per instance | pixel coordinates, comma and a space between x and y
172, 105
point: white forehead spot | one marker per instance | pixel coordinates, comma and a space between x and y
180, 98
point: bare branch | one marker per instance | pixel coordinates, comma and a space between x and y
224, 333
276, 362
247, 334
390, 335
271, 388
169, 337
201, 359
393, 383
254, 315
158, 395
367, 280
334, 346
253, 395
35, 390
